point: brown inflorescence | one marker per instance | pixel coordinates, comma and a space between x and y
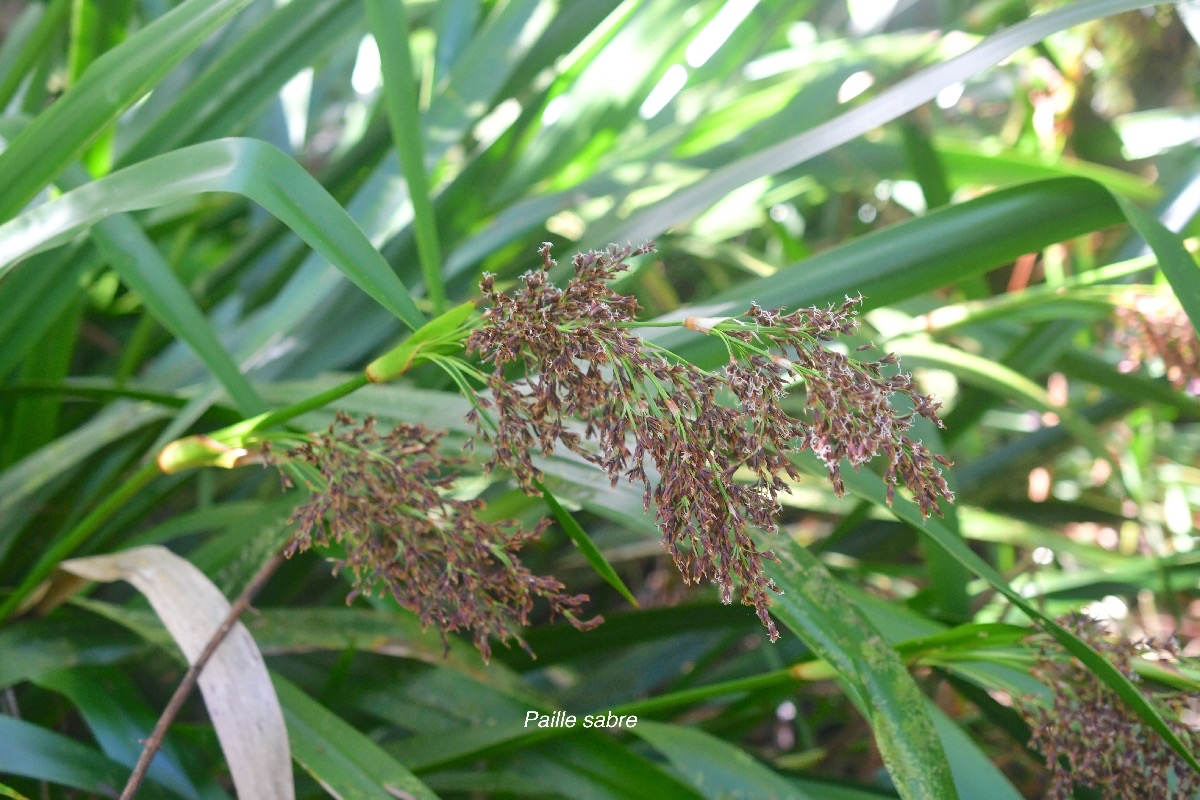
1153, 325
386, 499
1090, 737
595, 387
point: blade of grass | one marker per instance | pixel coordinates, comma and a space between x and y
63, 639
345, 762
926, 165
33, 422
115, 81
249, 167
19, 482
974, 773
33, 752
244, 77
33, 298
870, 487
1173, 258
92, 33
8, 791
919, 255
144, 270
389, 25
118, 718
23, 48
585, 544
1003, 380
589, 765
903, 97
869, 670
715, 767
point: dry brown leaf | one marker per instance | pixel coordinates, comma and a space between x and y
237, 690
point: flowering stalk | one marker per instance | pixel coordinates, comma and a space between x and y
712, 451
1151, 325
589, 383
387, 500
631, 408
1090, 737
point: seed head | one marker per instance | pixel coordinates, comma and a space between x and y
592, 386
386, 499
1090, 737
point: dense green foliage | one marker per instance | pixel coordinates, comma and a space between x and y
225, 224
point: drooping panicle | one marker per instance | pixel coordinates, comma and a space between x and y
386, 500
719, 442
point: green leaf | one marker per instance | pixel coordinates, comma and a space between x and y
36, 647
1003, 380
117, 80
868, 669
389, 25
905, 260
28, 40
717, 769
8, 791
586, 546
899, 99
975, 777
22, 480
246, 75
1173, 258
33, 752
963, 638
144, 270
119, 719
253, 168
870, 487
346, 763
926, 164
585, 764
33, 298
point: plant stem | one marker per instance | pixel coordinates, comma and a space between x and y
77, 536
311, 403
139, 480
155, 739
650, 323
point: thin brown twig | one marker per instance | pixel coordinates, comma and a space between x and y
154, 741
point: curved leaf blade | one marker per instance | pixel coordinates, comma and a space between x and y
1173, 258
255, 169
904, 260
870, 487
144, 270
346, 763
586, 546
389, 24
112, 84
236, 688
716, 768
31, 751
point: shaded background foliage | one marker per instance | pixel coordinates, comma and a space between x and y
1021, 242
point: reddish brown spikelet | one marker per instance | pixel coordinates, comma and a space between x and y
384, 498
596, 388
1090, 737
